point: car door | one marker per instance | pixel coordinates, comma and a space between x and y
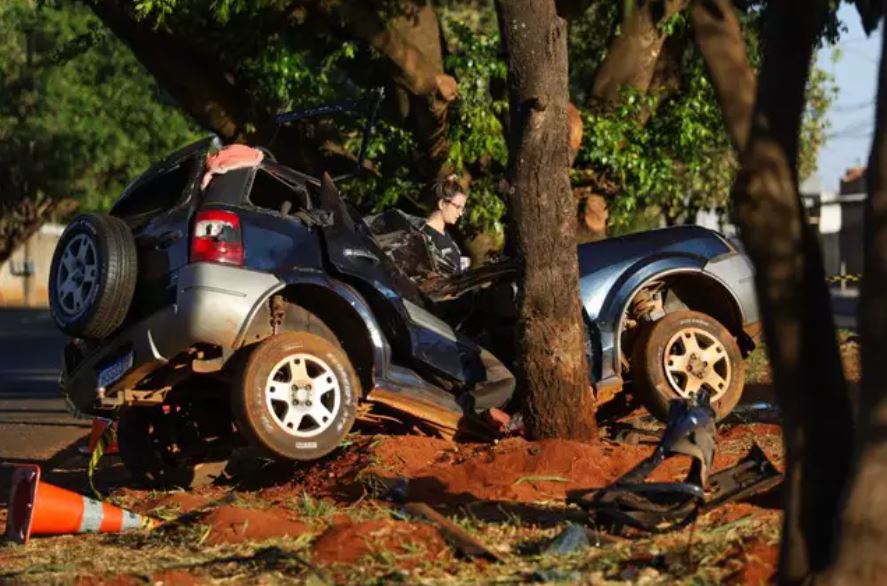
432, 342
158, 209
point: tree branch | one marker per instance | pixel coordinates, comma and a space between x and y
719, 38
631, 59
200, 89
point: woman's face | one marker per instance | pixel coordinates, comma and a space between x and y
453, 208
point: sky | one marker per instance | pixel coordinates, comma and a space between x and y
852, 114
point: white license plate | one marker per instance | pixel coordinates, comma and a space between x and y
111, 373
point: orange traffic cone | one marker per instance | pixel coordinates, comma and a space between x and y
41, 508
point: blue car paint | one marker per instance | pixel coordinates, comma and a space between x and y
612, 270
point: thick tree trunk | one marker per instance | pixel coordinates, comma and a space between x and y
631, 58
863, 529
792, 293
719, 38
551, 364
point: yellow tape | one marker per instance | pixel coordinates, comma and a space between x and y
844, 278
105, 440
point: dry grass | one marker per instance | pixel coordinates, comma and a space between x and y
704, 554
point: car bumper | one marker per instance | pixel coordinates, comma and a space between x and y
214, 305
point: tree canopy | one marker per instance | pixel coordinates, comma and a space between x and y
657, 145
79, 117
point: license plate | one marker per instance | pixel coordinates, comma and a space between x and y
111, 373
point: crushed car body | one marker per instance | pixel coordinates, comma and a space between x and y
246, 300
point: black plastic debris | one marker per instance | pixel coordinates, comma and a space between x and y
663, 506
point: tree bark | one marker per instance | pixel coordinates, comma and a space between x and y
551, 366
863, 528
793, 295
719, 38
631, 58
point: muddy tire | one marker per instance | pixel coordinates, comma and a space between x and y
143, 440
296, 396
685, 351
93, 276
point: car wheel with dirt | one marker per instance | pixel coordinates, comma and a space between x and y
682, 353
93, 276
296, 396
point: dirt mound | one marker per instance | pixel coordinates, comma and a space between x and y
513, 470
411, 543
183, 502
230, 524
442, 472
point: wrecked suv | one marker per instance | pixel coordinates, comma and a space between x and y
255, 304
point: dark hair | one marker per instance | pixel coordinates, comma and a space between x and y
445, 189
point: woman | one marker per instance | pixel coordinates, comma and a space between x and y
448, 205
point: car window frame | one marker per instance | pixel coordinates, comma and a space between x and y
289, 178
193, 155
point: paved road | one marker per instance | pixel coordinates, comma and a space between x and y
844, 306
34, 424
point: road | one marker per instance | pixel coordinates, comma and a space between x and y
34, 424
844, 306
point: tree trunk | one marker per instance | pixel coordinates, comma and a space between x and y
631, 58
20, 219
792, 293
863, 529
551, 366
719, 38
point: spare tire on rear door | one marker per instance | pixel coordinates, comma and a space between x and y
93, 276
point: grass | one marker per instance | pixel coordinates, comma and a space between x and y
312, 508
702, 556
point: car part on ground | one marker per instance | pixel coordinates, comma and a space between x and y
296, 396
93, 276
659, 506
663, 506
681, 354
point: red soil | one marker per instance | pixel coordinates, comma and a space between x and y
175, 578
443, 472
412, 543
760, 564
165, 578
230, 524
185, 502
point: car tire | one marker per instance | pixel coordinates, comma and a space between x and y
146, 450
681, 353
93, 276
296, 396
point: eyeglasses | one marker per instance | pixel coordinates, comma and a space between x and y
459, 207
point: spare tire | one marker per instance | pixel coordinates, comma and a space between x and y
93, 276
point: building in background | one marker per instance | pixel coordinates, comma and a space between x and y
838, 218
24, 277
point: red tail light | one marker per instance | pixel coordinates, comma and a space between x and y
217, 238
